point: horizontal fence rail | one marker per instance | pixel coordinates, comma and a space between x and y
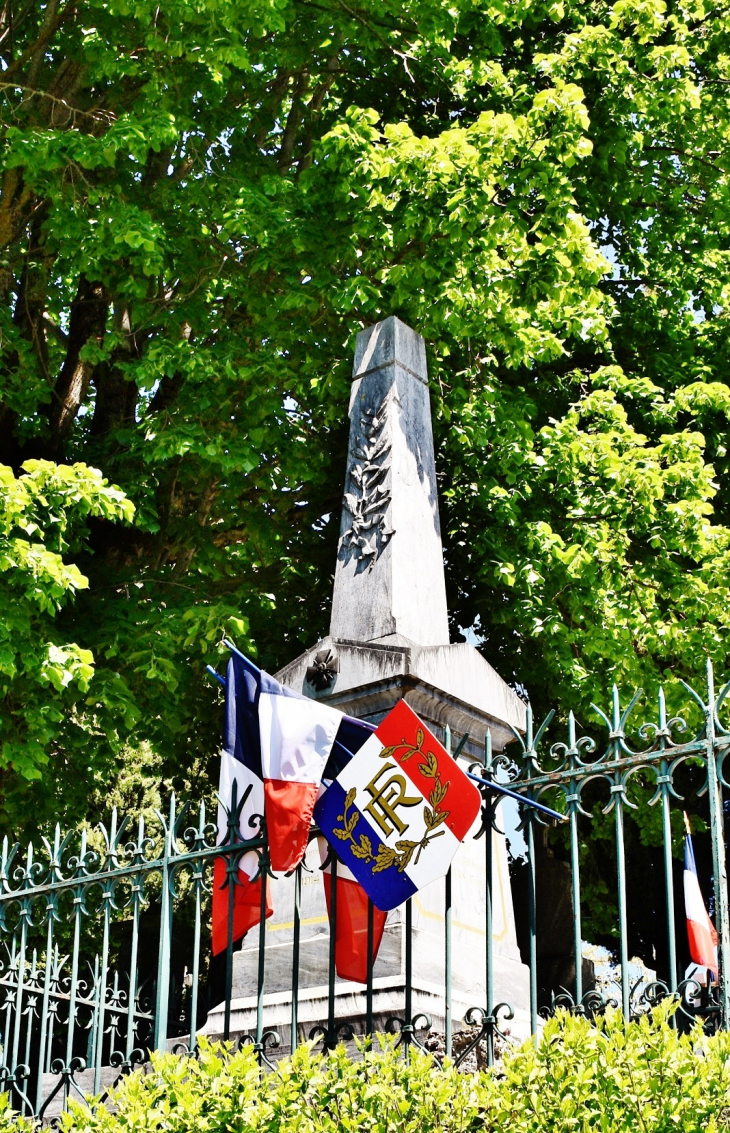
105, 941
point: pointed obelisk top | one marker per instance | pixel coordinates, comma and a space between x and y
389, 577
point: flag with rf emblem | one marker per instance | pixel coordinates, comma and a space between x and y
398, 811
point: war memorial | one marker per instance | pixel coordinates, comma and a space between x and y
107, 952
389, 639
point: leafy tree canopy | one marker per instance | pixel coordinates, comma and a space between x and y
43, 677
201, 205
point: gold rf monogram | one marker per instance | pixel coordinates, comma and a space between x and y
386, 797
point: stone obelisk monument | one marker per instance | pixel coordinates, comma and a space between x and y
389, 638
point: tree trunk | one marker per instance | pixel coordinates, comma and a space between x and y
87, 324
116, 394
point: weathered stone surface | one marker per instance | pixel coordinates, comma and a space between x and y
444, 684
389, 577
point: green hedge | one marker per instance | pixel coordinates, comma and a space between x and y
642, 1077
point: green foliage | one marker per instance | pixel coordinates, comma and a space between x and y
610, 1078
202, 204
618, 1077
599, 485
44, 517
11, 1122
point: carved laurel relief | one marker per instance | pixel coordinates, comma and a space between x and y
368, 496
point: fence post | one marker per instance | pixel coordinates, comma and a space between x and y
529, 761
572, 799
664, 782
136, 898
20, 986
489, 810
163, 961
79, 909
448, 1021
714, 791
198, 879
295, 957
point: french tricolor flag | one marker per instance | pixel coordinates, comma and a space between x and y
352, 902
700, 929
284, 747
276, 743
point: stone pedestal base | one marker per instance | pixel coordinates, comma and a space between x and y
444, 684
468, 954
388, 1004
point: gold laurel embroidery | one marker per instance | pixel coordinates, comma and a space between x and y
433, 815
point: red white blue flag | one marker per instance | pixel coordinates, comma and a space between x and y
398, 810
700, 929
352, 904
276, 743
278, 747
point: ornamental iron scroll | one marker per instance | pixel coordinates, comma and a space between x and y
103, 934
651, 751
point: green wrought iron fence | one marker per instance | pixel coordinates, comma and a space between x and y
106, 947
565, 772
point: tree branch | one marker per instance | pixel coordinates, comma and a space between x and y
87, 322
51, 24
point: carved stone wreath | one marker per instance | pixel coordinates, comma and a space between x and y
324, 668
368, 496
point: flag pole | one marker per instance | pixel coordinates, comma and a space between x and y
216, 676
229, 645
492, 786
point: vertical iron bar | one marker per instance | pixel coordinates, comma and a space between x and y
664, 781
114, 1027
618, 792
29, 1027
198, 871
573, 801
448, 1023
622, 922
295, 956
722, 913
8, 1000
488, 872
669, 886
369, 988
107, 897
575, 881
46, 988
51, 1028
5, 1034
24, 914
78, 903
137, 891
162, 1005
232, 874
263, 863
98, 1052
7, 1051
332, 953
532, 916
232, 868
409, 975
91, 1041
